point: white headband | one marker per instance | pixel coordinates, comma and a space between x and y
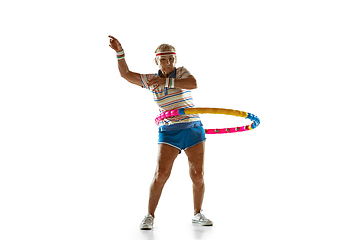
165, 53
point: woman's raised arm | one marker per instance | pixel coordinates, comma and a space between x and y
131, 77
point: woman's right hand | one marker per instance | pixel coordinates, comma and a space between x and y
115, 44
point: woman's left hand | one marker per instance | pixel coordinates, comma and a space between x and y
156, 82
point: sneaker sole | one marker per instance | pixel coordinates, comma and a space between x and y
145, 228
197, 222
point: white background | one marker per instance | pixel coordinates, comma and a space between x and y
79, 144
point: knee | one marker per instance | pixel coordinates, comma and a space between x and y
197, 178
162, 176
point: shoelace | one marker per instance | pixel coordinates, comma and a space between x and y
147, 220
202, 217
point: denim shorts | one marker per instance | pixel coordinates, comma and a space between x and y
184, 138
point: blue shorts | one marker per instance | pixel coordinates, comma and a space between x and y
184, 138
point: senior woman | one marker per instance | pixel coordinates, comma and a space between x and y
171, 90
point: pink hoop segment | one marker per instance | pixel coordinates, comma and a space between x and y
167, 114
176, 112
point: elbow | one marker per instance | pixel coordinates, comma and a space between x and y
191, 83
194, 84
125, 76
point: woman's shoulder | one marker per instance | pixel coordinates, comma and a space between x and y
182, 72
180, 69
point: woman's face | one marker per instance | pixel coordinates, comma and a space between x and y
167, 63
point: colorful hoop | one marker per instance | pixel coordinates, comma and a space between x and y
182, 111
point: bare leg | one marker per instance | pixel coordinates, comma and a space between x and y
166, 157
196, 168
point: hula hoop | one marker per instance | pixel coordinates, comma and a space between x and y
182, 111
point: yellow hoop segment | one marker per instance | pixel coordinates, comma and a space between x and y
224, 111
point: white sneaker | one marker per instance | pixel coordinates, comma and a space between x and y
147, 223
202, 220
